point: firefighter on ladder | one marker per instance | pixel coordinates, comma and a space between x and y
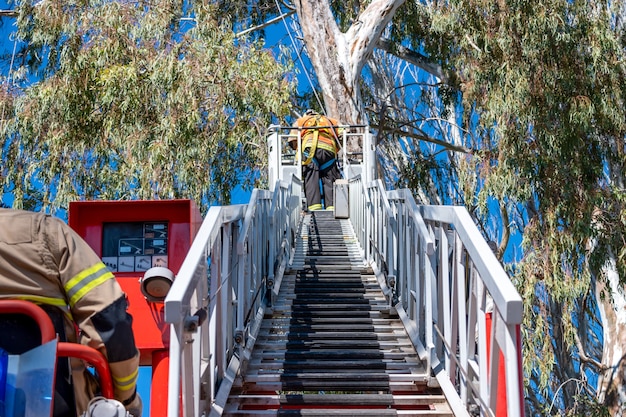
320, 145
44, 261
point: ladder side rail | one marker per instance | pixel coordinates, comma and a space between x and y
233, 244
255, 260
373, 231
442, 299
474, 328
246, 288
358, 203
495, 297
404, 270
397, 252
224, 271
184, 322
419, 245
278, 233
387, 229
265, 243
460, 325
486, 395
381, 236
226, 309
258, 254
292, 211
430, 302
498, 283
457, 258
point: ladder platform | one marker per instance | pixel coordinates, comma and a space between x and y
329, 346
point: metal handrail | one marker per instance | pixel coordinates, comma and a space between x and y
352, 163
218, 298
432, 263
447, 285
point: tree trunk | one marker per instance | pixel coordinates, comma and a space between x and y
338, 58
612, 305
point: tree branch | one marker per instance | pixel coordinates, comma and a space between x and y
266, 24
583, 356
446, 145
362, 35
506, 234
417, 59
8, 13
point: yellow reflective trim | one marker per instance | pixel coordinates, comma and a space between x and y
79, 294
315, 207
126, 383
326, 147
82, 275
319, 140
312, 147
56, 302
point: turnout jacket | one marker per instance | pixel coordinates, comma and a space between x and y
317, 132
44, 261
320, 142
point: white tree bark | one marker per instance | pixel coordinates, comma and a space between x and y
338, 58
612, 305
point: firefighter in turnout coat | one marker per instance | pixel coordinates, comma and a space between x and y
44, 261
320, 145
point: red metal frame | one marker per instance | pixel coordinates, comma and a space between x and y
151, 331
64, 349
94, 358
501, 398
87, 218
35, 312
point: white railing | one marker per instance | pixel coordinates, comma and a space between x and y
451, 292
218, 298
283, 162
433, 264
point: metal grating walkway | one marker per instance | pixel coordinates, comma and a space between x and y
329, 347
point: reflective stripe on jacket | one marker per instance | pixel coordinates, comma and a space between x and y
44, 261
318, 132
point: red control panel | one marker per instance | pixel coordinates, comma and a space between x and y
131, 237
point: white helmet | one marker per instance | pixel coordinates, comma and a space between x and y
105, 407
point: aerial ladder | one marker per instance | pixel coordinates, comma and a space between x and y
435, 271
379, 307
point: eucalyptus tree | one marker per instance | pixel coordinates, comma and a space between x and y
548, 82
530, 98
134, 99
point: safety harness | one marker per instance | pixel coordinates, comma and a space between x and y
312, 140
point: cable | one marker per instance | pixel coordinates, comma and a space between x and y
319, 102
